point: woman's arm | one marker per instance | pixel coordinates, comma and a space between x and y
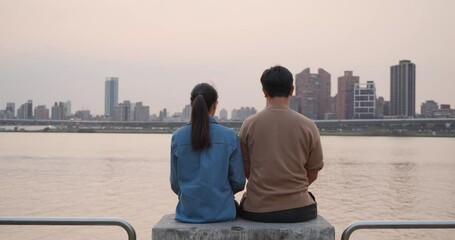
236, 172
174, 178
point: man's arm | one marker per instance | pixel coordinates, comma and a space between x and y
315, 159
312, 176
244, 147
246, 159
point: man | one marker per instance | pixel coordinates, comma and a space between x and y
282, 155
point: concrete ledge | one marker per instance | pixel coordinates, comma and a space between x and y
169, 229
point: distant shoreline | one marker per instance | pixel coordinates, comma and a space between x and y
322, 133
366, 134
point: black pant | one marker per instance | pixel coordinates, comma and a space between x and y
301, 214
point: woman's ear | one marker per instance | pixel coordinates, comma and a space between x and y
212, 109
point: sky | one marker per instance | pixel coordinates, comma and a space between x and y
59, 50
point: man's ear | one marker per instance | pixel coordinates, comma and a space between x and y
265, 93
292, 91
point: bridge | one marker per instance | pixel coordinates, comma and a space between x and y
398, 126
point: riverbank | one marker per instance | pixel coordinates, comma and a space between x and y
388, 134
379, 133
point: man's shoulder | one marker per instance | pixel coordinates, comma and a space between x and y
286, 114
301, 117
251, 120
282, 113
293, 118
306, 122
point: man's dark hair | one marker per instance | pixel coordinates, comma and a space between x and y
277, 81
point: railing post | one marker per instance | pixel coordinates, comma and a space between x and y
72, 222
417, 224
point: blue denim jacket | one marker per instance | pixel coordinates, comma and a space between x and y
206, 180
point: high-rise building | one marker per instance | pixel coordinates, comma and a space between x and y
41, 112
403, 89
365, 100
123, 111
380, 110
67, 108
186, 113
386, 108
10, 111
58, 111
427, 108
141, 112
332, 114
313, 91
110, 96
83, 114
223, 115
25, 111
163, 115
345, 95
242, 113
293, 103
3, 114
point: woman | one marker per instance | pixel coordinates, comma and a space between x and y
206, 163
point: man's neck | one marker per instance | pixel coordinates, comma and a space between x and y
278, 101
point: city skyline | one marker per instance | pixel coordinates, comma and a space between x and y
55, 51
312, 98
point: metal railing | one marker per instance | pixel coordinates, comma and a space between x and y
417, 224
72, 222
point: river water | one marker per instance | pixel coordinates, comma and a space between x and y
126, 176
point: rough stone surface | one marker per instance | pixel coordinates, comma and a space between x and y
169, 229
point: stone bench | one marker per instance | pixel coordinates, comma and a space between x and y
169, 229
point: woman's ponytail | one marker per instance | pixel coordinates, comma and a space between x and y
200, 123
203, 96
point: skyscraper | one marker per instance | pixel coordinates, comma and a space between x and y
141, 113
223, 115
345, 97
67, 108
41, 112
58, 111
364, 100
110, 96
403, 89
25, 111
123, 111
313, 93
10, 110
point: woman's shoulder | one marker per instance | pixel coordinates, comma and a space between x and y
181, 132
220, 129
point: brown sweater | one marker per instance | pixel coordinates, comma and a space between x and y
280, 145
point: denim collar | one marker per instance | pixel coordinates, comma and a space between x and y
211, 119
